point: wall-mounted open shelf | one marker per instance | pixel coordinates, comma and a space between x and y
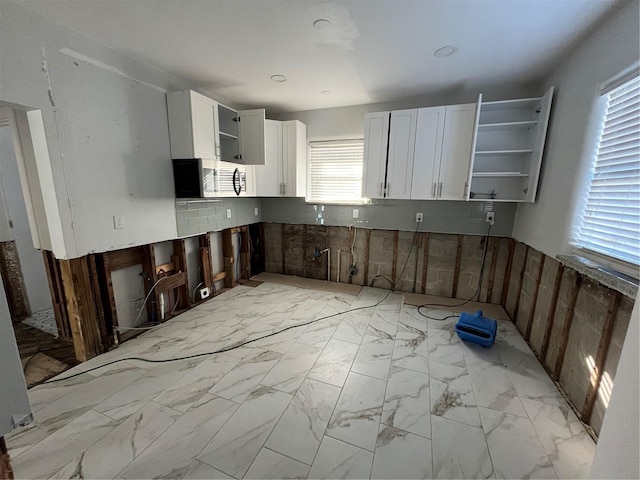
507, 150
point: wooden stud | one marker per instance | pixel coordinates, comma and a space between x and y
56, 289
601, 356
219, 276
394, 264
229, 258
81, 307
150, 278
103, 308
552, 313
425, 261
245, 254
128, 257
535, 299
495, 243
564, 335
304, 252
520, 280
367, 244
179, 259
456, 272
351, 237
110, 294
284, 245
507, 273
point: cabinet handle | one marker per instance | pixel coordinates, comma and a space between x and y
433, 190
440, 190
237, 157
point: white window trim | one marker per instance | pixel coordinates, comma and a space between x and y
591, 145
308, 200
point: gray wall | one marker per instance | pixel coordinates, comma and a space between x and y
439, 216
200, 216
613, 47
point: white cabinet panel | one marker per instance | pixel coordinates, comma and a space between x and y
294, 159
269, 175
376, 138
251, 137
456, 151
402, 137
204, 130
193, 128
428, 151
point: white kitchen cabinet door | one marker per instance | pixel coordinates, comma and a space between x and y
251, 137
269, 175
294, 159
428, 151
376, 138
456, 151
402, 138
193, 125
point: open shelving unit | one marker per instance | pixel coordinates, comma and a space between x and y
507, 149
228, 133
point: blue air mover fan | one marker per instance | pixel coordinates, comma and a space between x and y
477, 329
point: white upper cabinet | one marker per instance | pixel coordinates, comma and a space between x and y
376, 138
507, 155
456, 151
428, 151
193, 125
402, 138
284, 171
251, 136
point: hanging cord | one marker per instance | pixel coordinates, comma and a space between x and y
223, 350
394, 283
142, 309
476, 293
354, 251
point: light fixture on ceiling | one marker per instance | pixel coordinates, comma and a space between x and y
445, 51
325, 92
278, 78
321, 24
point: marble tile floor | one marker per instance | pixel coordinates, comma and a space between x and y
376, 393
44, 320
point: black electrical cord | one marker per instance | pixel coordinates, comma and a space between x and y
394, 283
223, 350
476, 293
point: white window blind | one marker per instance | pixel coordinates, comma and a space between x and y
335, 171
611, 219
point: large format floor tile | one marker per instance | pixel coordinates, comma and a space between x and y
380, 392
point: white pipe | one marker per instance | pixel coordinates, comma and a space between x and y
339, 255
162, 306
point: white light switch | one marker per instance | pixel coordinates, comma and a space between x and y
228, 213
118, 222
356, 213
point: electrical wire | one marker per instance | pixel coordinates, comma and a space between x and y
354, 252
476, 293
222, 350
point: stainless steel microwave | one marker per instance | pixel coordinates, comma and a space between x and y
200, 178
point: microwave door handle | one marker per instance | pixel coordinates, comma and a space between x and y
237, 187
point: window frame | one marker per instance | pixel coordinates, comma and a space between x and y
592, 142
309, 200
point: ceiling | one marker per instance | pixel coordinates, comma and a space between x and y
372, 51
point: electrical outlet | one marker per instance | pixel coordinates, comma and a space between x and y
228, 213
256, 212
118, 222
419, 217
356, 213
490, 217
204, 293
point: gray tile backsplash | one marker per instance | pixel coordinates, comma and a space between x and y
200, 215
439, 216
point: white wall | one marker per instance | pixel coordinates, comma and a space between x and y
618, 451
614, 46
35, 277
106, 128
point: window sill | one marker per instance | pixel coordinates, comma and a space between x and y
605, 275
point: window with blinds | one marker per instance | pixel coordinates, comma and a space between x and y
610, 223
335, 172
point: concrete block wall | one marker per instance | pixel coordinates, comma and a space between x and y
576, 326
195, 217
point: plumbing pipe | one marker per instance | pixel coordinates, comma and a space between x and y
161, 306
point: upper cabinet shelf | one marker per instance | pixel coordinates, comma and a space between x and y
507, 149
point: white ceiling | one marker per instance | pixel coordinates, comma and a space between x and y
374, 51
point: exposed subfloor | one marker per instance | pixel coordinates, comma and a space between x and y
379, 392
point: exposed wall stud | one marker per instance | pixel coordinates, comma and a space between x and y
394, 264
367, 244
507, 273
495, 242
456, 272
601, 355
535, 299
552, 313
425, 261
564, 334
520, 280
